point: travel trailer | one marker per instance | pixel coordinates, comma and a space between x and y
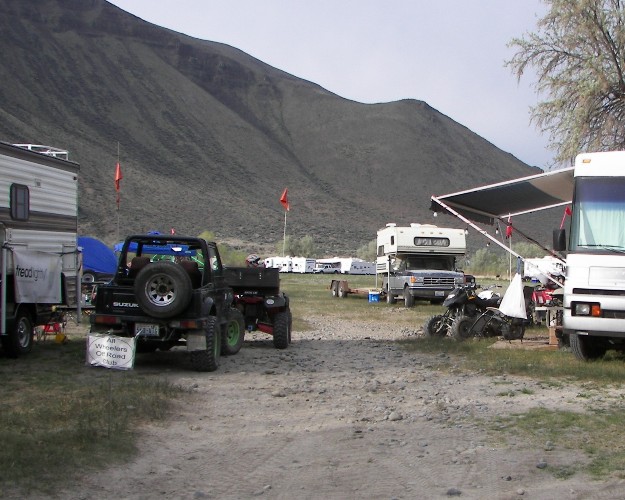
38, 226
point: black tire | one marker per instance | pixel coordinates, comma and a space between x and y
281, 330
20, 338
435, 326
208, 360
342, 290
163, 289
233, 334
461, 328
408, 298
390, 298
290, 324
587, 348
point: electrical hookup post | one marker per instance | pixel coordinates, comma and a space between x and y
284, 200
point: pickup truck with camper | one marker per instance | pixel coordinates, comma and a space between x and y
594, 284
38, 226
168, 291
419, 262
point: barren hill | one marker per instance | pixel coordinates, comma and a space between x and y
209, 136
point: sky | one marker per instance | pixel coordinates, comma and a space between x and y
448, 53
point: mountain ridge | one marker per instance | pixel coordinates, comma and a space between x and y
208, 136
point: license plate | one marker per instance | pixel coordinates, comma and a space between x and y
438, 293
146, 330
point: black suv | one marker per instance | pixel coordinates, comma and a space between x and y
169, 291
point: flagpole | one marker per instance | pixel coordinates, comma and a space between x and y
117, 194
284, 236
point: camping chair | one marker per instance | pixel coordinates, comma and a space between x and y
55, 327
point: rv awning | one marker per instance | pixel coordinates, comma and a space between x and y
505, 199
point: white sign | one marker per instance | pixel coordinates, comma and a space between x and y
110, 351
37, 277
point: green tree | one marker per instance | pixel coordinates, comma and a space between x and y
304, 247
579, 56
368, 251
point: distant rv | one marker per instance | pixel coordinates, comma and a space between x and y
290, 264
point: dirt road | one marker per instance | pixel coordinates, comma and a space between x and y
344, 413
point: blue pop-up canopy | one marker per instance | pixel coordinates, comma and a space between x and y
96, 256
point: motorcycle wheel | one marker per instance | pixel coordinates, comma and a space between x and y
461, 328
435, 326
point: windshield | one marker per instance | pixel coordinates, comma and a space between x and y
598, 221
430, 263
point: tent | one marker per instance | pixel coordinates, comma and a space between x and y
97, 258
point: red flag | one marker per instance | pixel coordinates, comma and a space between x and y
118, 176
509, 228
285, 200
567, 211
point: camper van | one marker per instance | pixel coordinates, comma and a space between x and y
594, 286
38, 226
419, 261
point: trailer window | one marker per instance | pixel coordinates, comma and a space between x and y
426, 241
20, 202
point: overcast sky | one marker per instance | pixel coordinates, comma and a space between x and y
448, 53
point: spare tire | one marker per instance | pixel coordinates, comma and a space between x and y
163, 289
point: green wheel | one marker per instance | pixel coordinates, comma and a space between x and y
233, 334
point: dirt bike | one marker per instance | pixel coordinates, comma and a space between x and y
463, 302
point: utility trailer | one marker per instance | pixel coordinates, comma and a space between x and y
264, 307
341, 288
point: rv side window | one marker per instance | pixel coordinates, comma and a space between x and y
20, 202
380, 250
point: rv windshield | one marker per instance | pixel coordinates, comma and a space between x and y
431, 263
598, 214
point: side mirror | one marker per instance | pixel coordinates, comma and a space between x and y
559, 240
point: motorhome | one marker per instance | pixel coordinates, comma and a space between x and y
594, 286
38, 226
302, 265
419, 261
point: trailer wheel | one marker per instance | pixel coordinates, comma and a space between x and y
233, 334
390, 298
163, 289
408, 298
281, 331
587, 348
435, 326
20, 338
208, 359
461, 328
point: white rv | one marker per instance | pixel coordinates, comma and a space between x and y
594, 286
302, 265
38, 226
419, 261
357, 266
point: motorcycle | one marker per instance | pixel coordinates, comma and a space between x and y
462, 302
494, 323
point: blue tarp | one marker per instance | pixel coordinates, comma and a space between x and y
96, 256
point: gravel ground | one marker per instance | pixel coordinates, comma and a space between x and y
345, 413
